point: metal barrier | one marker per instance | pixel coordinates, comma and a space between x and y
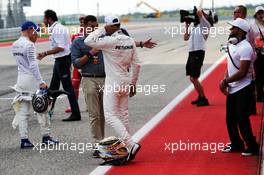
9, 34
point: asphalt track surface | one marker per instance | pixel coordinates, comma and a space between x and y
162, 66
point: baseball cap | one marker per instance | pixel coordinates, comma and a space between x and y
111, 20
258, 8
29, 25
240, 23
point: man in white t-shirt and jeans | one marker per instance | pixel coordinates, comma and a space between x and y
237, 87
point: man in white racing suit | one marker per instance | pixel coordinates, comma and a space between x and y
29, 80
119, 53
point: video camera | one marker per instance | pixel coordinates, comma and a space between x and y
189, 17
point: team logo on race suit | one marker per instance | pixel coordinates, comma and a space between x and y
124, 47
18, 54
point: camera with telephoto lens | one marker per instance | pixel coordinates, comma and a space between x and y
189, 17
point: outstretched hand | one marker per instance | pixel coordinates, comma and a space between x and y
41, 56
149, 44
200, 13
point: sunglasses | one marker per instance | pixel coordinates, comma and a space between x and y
260, 12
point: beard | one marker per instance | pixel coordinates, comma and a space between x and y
261, 20
231, 35
233, 39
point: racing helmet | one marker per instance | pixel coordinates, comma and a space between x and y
44, 99
40, 101
113, 149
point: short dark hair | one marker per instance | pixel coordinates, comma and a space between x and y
243, 9
51, 14
89, 18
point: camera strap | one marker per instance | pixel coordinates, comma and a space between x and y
231, 58
233, 61
260, 32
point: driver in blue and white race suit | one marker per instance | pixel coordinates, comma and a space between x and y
29, 80
119, 53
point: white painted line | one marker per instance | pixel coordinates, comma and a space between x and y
161, 115
7, 98
11, 98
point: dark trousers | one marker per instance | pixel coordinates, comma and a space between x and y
237, 117
259, 71
62, 73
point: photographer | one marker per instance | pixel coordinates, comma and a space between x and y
197, 37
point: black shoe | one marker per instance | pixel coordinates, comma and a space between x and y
134, 150
47, 140
72, 118
203, 101
96, 154
233, 148
251, 151
195, 101
26, 144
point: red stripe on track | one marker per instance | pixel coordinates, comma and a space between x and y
191, 124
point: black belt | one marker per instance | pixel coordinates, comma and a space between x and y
63, 57
93, 76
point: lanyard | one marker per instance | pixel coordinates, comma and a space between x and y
260, 32
231, 58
